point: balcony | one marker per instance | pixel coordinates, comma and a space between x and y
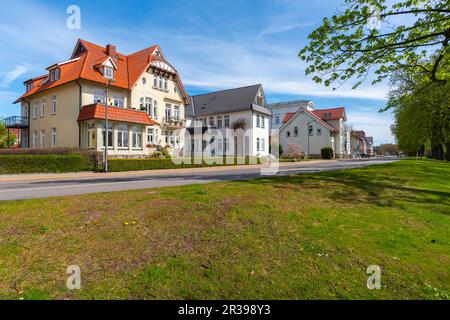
171, 122
16, 122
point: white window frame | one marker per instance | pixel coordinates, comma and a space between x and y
219, 122
122, 136
258, 121
176, 112
35, 139
263, 125
101, 94
90, 129
53, 138
119, 100
35, 109
106, 73
168, 111
42, 138
155, 109
110, 140
226, 121
136, 131
42, 110
54, 105
263, 145
258, 144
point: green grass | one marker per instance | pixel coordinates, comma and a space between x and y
295, 237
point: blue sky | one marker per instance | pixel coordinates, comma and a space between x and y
213, 44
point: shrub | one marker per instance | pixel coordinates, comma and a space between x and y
116, 165
327, 153
44, 163
293, 151
93, 156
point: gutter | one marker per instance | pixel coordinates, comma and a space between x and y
79, 109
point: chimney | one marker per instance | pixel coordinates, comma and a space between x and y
111, 50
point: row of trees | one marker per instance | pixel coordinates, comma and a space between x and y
406, 42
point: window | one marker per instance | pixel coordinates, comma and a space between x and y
219, 122
57, 74
91, 135
144, 81
35, 137
137, 137
35, 110
258, 121
263, 125
141, 103
177, 113
155, 81
165, 84
30, 86
155, 109
168, 111
99, 96
108, 72
288, 134
211, 121
160, 82
42, 114
296, 132
110, 136
52, 75
122, 136
53, 137
204, 121
227, 121
257, 144
277, 119
42, 138
118, 101
310, 130
151, 138
175, 90
319, 131
263, 145
148, 105
54, 105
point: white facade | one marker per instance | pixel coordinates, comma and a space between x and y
242, 134
279, 110
308, 132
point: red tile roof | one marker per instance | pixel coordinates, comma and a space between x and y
288, 116
291, 115
97, 111
84, 65
330, 114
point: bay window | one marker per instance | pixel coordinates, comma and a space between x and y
90, 135
137, 137
122, 136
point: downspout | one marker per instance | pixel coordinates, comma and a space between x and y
79, 109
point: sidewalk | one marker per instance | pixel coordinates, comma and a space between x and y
100, 175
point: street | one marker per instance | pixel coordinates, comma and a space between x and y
22, 189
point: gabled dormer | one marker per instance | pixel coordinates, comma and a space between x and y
106, 66
260, 99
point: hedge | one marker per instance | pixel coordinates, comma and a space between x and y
327, 153
93, 157
116, 165
13, 164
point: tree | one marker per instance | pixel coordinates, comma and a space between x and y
347, 46
4, 136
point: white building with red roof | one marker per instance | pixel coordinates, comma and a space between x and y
313, 129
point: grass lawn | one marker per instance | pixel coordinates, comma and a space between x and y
294, 237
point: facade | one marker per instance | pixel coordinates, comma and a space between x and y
66, 107
311, 125
369, 146
280, 109
234, 122
358, 143
306, 130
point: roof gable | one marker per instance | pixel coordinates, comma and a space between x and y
310, 114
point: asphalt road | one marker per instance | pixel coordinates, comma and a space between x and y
61, 187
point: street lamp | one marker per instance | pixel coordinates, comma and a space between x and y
106, 125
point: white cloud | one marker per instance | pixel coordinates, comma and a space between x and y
12, 75
280, 28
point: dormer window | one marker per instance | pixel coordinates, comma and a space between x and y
57, 74
30, 86
52, 75
108, 72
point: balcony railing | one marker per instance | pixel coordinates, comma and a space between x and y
16, 122
173, 122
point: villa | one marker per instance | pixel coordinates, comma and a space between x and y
66, 106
